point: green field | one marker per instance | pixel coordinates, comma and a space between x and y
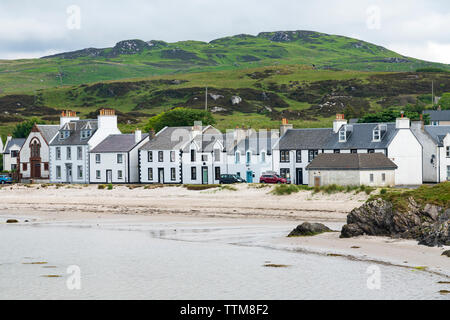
305, 76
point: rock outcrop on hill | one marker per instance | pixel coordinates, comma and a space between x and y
427, 223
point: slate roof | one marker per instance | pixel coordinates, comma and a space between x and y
258, 142
435, 115
75, 133
12, 142
351, 161
169, 139
438, 133
303, 139
362, 138
118, 143
48, 131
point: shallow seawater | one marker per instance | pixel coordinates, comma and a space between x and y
186, 261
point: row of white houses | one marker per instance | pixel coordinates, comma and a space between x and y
95, 151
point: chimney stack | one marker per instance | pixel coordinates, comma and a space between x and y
339, 122
107, 119
152, 134
285, 126
138, 136
67, 116
403, 123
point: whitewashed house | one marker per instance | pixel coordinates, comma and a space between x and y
439, 117
69, 149
298, 147
116, 159
249, 155
11, 153
352, 169
34, 155
435, 141
161, 158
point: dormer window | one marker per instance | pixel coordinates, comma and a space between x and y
64, 134
85, 134
376, 134
343, 135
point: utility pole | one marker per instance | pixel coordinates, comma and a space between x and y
206, 99
432, 93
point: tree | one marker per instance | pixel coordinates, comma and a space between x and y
23, 129
179, 117
444, 102
390, 115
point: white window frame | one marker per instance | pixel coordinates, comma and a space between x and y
119, 174
173, 174
68, 153
120, 158
58, 153
150, 174
98, 158
79, 153
98, 174
58, 172
150, 156
80, 172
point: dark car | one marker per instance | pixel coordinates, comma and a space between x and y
5, 179
272, 179
230, 179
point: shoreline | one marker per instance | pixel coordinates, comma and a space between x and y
176, 206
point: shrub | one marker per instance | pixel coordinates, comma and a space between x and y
383, 191
101, 186
201, 187
110, 186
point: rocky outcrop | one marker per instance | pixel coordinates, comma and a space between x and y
446, 253
309, 229
12, 221
427, 223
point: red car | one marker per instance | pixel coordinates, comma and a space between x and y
273, 179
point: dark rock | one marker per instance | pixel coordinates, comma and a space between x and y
428, 224
12, 221
309, 229
446, 253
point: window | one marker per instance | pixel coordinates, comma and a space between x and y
35, 149
13, 167
204, 158
98, 174
46, 166
298, 156
119, 174
58, 153
376, 134
343, 135
371, 178
172, 156
354, 151
193, 173
24, 167
216, 156
383, 177
312, 154
119, 158
150, 174
448, 152
14, 153
58, 172
85, 134
263, 157
161, 156
192, 155
150, 156
237, 157
434, 123
249, 157
285, 173
448, 173
64, 134
98, 158
371, 151
337, 151
69, 153
80, 153
80, 172
284, 156
217, 173
173, 175
238, 174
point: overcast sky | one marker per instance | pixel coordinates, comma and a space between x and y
28, 28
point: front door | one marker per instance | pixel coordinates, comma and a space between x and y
204, 175
249, 176
317, 182
108, 176
299, 177
161, 176
35, 167
69, 173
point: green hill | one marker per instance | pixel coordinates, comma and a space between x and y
305, 76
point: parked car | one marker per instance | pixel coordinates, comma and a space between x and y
5, 179
273, 179
230, 179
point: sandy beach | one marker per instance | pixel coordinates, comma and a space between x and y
217, 208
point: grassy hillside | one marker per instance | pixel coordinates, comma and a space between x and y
305, 76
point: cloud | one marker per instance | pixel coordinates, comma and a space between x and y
416, 27
431, 51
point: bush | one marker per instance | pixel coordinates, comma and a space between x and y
201, 187
110, 186
383, 191
288, 189
101, 186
